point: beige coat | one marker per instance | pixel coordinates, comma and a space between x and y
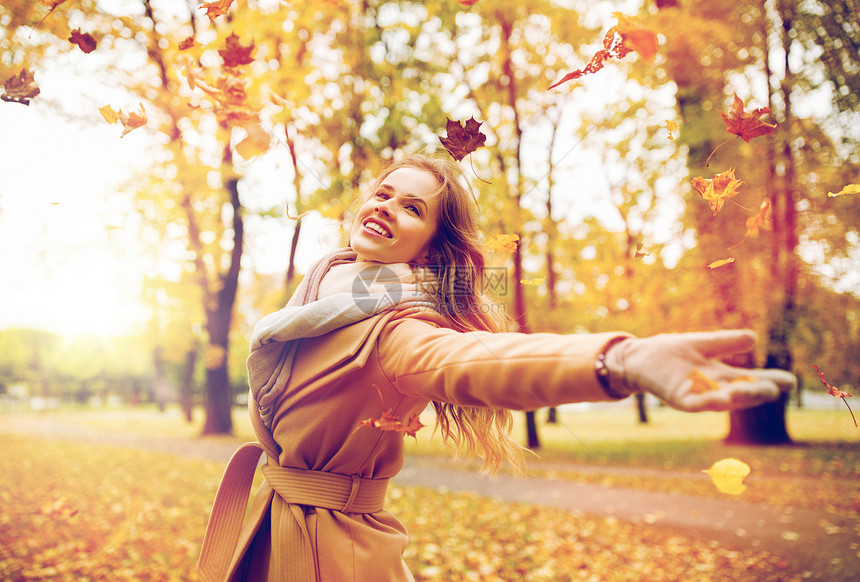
411, 359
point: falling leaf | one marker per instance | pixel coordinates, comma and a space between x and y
637, 37
255, 143
85, 41
849, 189
721, 263
836, 392
235, 54
52, 5
728, 475
672, 126
755, 223
618, 42
462, 140
640, 251
217, 8
188, 43
746, 125
129, 121
506, 243
389, 422
533, 282
467, 2
20, 88
701, 383
718, 189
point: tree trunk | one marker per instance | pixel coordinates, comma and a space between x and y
765, 424
219, 394
532, 438
186, 388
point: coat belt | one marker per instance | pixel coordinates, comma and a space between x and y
297, 487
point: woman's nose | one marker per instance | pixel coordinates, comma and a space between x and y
382, 208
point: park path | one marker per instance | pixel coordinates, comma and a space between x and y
824, 545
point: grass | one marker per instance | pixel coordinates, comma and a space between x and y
90, 511
76, 511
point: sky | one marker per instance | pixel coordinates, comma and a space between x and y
70, 258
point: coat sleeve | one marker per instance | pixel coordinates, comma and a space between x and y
501, 370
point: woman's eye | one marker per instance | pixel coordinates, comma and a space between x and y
412, 208
381, 196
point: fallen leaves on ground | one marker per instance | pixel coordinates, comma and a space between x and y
75, 511
461, 536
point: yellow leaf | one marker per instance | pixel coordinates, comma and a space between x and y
255, 143
721, 263
849, 189
504, 242
718, 189
728, 475
534, 282
109, 114
701, 383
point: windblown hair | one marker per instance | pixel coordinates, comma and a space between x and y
457, 261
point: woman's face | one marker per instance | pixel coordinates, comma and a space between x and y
399, 220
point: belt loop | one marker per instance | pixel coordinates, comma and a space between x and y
352, 494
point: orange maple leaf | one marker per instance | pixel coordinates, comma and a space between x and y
755, 223
743, 124
637, 37
462, 139
506, 243
217, 8
85, 41
618, 42
718, 189
188, 43
836, 392
235, 54
20, 88
389, 422
129, 121
746, 124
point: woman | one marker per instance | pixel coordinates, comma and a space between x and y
374, 333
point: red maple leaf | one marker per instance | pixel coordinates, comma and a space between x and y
85, 41
463, 139
20, 88
618, 42
235, 54
836, 392
746, 124
389, 422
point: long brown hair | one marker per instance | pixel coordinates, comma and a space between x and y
457, 261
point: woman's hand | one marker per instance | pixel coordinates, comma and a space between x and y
671, 367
